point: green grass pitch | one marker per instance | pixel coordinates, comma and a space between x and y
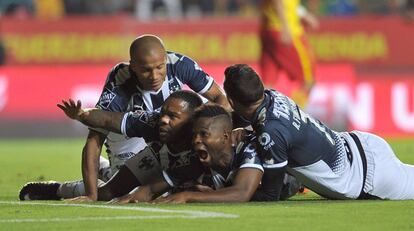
32, 160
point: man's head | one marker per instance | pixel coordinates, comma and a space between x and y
176, 112
148, 61
212, 129
243, 87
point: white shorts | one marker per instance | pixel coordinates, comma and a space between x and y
386, 176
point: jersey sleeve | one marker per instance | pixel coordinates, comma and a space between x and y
113, 97
273, 140
249, 158
183, 169
140, 124
190, 73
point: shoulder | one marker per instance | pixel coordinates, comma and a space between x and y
177, 61
246, 153
119, 74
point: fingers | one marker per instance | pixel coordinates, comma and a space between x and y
61, 107
79, 105
161, 200
72, 103
65, 105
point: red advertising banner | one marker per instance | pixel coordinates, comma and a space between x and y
380, 104
369, 41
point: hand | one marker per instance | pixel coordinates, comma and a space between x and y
237, 136
123, 200
177, 198
311, 21
81, 199
203, 188
71, 109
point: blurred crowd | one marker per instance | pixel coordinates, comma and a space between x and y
178, 9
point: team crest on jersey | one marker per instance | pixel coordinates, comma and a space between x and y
265, 141
149, 118
250, 153
106, 99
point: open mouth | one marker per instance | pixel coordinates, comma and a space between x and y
202, 154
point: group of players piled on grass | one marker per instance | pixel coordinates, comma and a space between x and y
169, 145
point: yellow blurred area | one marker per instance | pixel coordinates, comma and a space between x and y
49, 9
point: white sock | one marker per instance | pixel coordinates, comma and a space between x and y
105, 171
73, 189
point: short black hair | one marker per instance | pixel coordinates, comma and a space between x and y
191, 98
211, 111
243, 84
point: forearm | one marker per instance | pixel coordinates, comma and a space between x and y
222, 100
280, 10
272, 184
142, 194
97, 118
90, 160
229, 195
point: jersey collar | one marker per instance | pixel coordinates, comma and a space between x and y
260, 114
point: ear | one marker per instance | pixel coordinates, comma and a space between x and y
230, 102
226, 136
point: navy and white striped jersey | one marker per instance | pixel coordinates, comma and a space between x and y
178, 168
312, 152
142, 124
121, 93
245, 156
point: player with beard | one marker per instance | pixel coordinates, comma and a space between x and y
236, 171
167, 158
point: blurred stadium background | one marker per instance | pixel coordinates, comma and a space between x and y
58, 49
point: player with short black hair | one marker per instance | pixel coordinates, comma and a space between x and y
336, 165
246, 90
167, 160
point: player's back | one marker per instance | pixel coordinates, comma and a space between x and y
314, 154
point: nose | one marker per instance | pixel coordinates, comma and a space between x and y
164, 120
155, 74
196, 139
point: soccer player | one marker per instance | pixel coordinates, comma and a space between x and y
336, 165
168, 154
284, 45
236, 171
142, 84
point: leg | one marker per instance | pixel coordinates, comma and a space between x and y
139, 170
387, 176
297, 61
268, 62
120, 184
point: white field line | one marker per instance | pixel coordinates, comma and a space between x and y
185, 214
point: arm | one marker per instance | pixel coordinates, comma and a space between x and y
96, 118
216, 95
285, 35
245, 184
271, 187
144, 193
308, 18
90, 160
